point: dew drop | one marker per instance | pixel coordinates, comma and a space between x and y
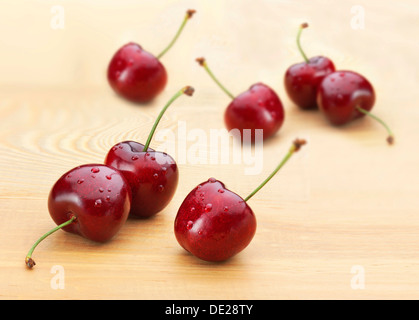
164, 170
153, 158
212, 180
225, 208
109, 177
108, 198
208, 207
98, 203
114, 148
101, 190
156, 176
80, 181
95, 170
221, 190
189, 225
192, 209
200, 232
160, 188
134, 158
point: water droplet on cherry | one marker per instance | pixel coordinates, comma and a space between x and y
189, 225
98, 203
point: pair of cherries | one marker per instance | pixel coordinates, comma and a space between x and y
341, 95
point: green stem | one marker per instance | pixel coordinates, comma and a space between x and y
188, 15
390, 138
294, 148
302, 27
29, 261
186, 90
203, 63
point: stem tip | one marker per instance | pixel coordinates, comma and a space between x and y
390, 140
201, 61
190, 13
304, 25
298, 143
30, 263
188, 90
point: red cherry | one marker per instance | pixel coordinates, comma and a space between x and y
214, 223
152, 175
344, 96
92, 200
136, 74
257, 108
302, 79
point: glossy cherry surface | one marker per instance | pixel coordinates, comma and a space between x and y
97, 195
136, 74
342, 93
257, 108
153, 176
302, 79
214, 223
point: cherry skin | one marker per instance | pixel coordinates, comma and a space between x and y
302, 79
137, 75
91, 200
214, 223
258, 108
344, 96
342, 93
152, 176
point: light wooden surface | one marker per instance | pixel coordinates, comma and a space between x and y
346, 200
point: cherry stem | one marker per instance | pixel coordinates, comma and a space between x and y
297, 144
188, 15
203, 63
185, 90
390, 138
300, 30
28, 260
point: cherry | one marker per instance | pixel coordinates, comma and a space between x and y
136, 74
302, 79
214, 223
91, 200
344, 96
257, 108
152, 175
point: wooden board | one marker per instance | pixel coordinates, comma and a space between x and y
339, 221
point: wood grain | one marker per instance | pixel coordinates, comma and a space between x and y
347, 199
